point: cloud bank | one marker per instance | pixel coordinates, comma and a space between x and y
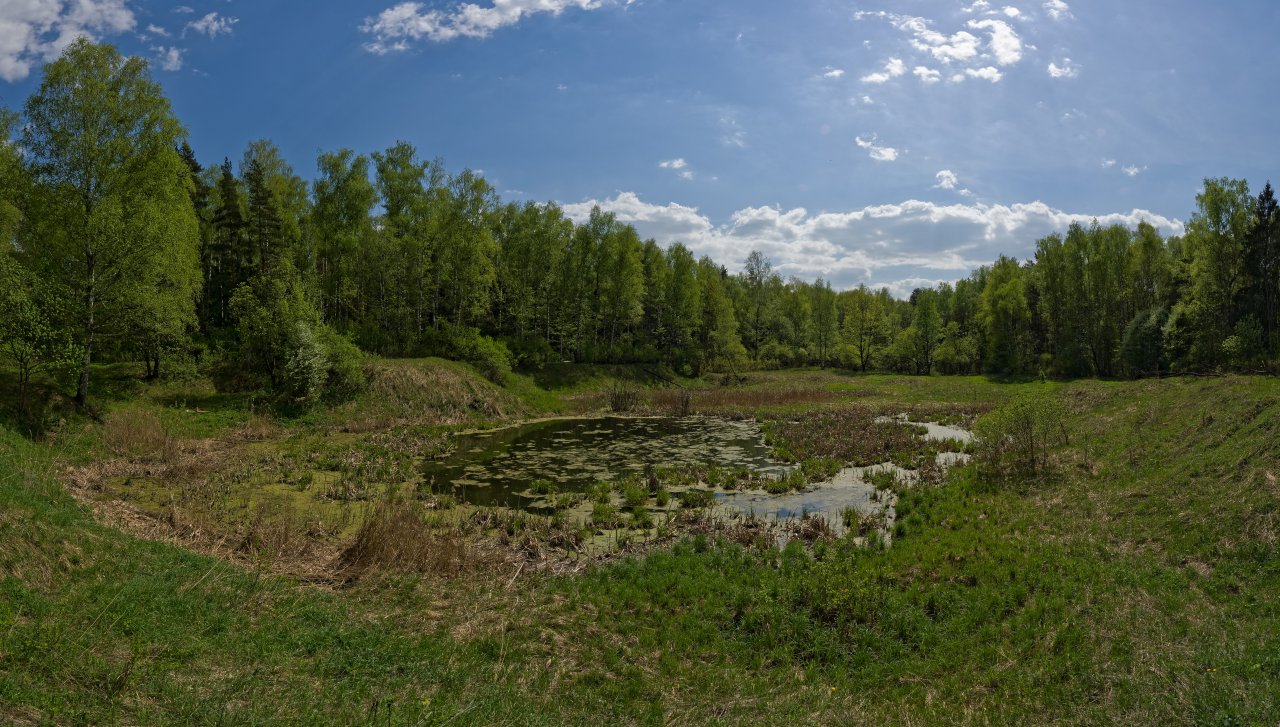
35, 31
888, 245
395, 28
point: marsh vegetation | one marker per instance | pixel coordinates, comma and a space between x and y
236, 489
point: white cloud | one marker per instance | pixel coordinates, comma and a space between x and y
927, 75
893, 68
34, 31
960, 46
1108, 163
680, 166
157, 30
169, 59
184, 10
394, 28
878, 244
978, 6
877, 152
1057, 9
833, 73
1012, 12
988, 73
1134, 171
1005, 43
213, 25
902, 289
867, 100
1066, 70
946, 179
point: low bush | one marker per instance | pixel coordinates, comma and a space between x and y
1016, 440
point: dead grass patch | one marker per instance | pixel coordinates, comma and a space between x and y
417, 392
138, 435
396, 536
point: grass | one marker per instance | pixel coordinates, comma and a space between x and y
1136, 583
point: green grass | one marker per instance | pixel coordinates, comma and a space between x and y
1139, 583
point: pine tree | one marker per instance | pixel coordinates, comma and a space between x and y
1262, 260
230, 260
264, 226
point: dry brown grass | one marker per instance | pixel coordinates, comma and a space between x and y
138, 435
396, 536
425, 392
730, 400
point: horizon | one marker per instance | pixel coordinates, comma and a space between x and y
809, 133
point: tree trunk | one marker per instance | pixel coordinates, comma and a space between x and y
82, 391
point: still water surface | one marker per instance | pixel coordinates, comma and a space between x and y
495, 468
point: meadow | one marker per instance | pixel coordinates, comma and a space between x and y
185, 557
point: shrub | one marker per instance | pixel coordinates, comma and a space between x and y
1016, 439
491, 358
344, 366
279, 333
301, 379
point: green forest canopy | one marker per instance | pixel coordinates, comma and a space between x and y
121, 245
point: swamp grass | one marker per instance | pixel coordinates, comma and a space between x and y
1136, 581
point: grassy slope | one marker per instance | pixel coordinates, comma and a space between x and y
1141, 585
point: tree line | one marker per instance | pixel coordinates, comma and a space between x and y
122, 245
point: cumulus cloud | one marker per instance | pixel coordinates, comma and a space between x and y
1066, 70
157, 30
927, 75
1005, 43
893, 68
213, 25
1057, 9
946, 179
1134, 171
168, 58
833, 73
34, 31
961, 46
979, 51
877, 152
396, 27
1108, 163
987, 73
877, 244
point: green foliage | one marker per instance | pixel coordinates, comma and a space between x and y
1142, 351
1017, 440
109, 221
282, 345
29, 339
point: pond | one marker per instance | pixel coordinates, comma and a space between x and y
497, 468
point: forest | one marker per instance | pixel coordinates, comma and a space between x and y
370, 445
120, 245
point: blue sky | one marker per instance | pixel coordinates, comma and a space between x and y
893, 143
